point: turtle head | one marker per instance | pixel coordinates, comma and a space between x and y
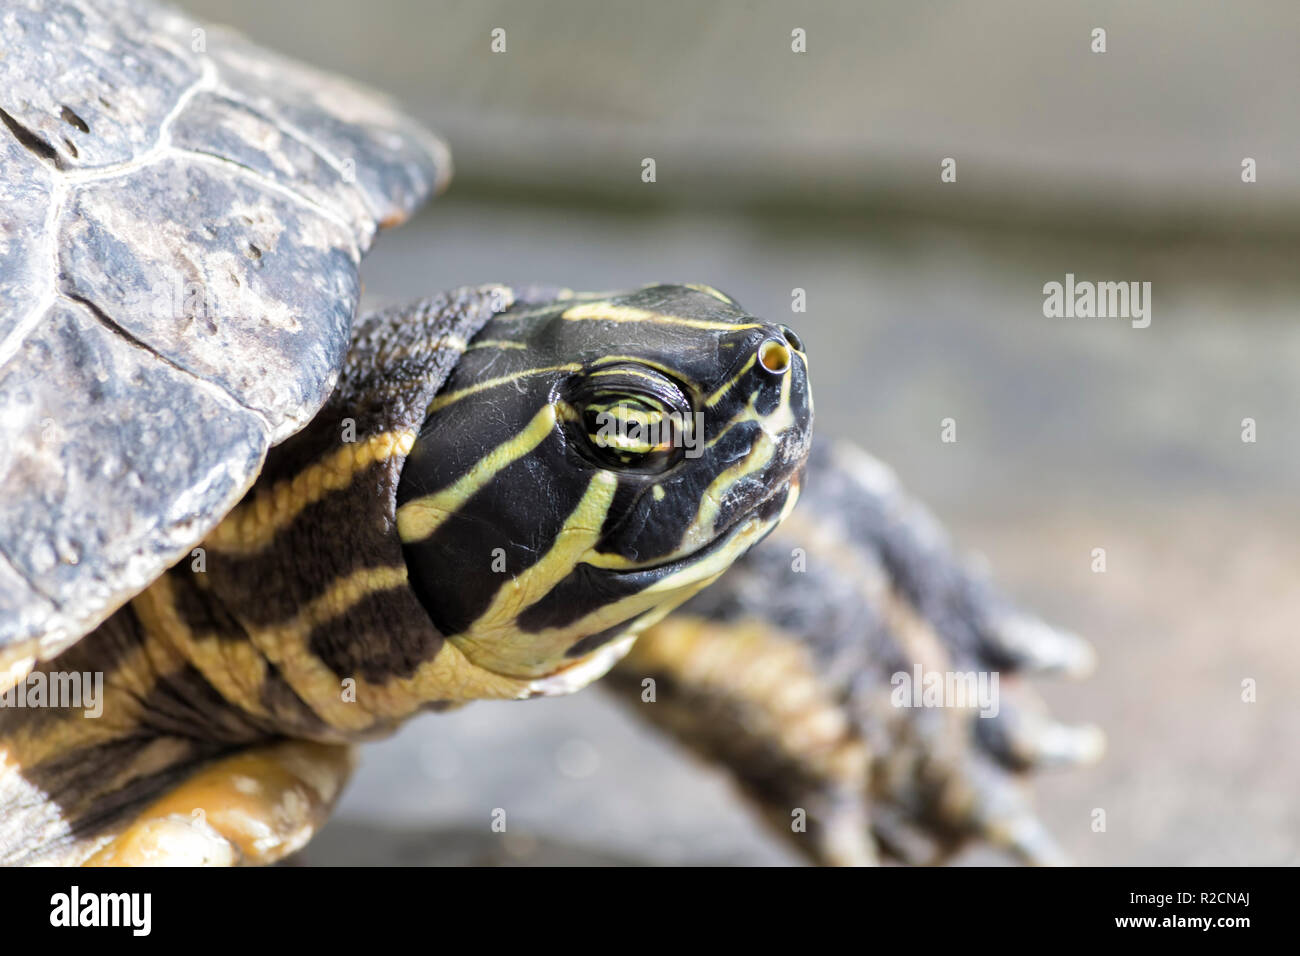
591, 463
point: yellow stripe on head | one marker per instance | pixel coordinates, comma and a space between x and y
726, 386
607, 312
442, 401
649, 605
419, 518
623, 371
709, 290
496, 344
573, 543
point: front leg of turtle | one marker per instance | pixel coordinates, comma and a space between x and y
862, 683
256, 805
503, 489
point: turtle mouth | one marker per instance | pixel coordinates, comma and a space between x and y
742, 534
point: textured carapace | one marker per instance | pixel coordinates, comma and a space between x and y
182, 215
593, 462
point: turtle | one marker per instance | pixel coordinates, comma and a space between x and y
244, 528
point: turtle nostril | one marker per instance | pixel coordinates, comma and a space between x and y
774, 356
796, 343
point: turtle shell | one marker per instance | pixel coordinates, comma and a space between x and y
182, 215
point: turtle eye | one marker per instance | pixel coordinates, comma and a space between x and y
632, 419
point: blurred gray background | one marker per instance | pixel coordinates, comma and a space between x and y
821, 171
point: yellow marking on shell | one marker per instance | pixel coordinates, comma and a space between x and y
659, 492
607, 312
234, 668
726, 386
442, 401
418, 518
492, 638
709, 290
496, 344
252, 527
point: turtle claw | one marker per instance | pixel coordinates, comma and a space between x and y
1000, 813
1040, 743
1023, 736
902, 838
1055, 744
1032, 644
1028, 840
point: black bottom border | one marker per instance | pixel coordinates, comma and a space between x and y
430, 907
